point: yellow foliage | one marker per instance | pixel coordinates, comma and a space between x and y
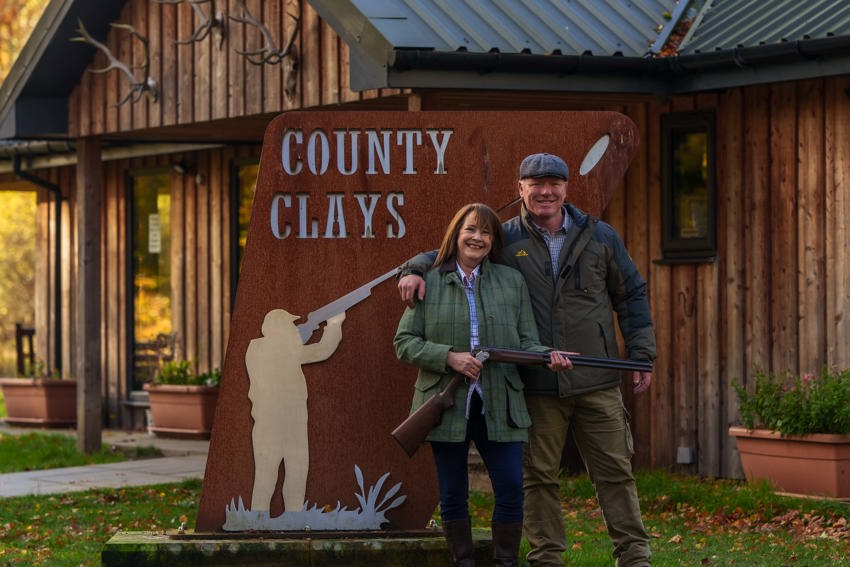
17, 20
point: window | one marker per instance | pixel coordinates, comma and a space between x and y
688, 188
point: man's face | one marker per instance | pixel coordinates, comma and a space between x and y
543, 196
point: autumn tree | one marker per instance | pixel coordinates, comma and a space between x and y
17, 20
17, 267
17, 208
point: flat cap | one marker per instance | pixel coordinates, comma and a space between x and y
543, 165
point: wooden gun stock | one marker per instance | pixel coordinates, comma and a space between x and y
413, 430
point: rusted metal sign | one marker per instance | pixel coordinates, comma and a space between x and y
311, 387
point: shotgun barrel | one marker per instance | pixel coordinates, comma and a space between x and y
528, 358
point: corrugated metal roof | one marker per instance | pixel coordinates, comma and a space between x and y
571, 27
730, 24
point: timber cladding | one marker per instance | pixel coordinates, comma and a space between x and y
776, 297
206, 80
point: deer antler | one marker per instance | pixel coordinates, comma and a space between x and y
214, 22
269, 53
146, 86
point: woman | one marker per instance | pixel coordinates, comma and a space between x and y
473, 301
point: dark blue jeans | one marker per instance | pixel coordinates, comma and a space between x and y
504, 465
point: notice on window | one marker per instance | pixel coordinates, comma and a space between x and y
154, 234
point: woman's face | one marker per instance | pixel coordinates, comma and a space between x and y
473, 242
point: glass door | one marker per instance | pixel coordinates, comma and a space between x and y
150, 275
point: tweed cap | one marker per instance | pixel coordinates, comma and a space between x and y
543, 165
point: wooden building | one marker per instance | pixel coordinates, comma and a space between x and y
144, 174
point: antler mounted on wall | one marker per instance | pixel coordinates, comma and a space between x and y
147, 86
213, 23
269, 53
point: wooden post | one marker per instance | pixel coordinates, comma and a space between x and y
88, 360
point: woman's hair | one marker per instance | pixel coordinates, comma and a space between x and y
485, 218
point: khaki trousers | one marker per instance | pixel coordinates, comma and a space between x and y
599, 423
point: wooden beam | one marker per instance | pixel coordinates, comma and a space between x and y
88, 360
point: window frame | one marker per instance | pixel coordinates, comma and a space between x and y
677, 249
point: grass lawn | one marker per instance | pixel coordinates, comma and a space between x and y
691, 520
38, 451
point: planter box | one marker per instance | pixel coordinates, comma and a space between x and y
813, 465
40, 402
182, 411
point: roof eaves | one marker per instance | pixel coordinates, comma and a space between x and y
19, 74
525, 71
795, 60
593, 73
47, 70
368, 49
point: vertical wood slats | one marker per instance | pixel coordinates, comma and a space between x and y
709, 406
837, 212
169, 78
782, 231
810, 215
200, 81
777, 299
184, 53
254, 41
272, 85
731, 289
190, 225
659, 430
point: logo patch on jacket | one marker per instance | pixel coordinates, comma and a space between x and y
521, 254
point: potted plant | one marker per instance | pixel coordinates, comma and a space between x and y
182, 402
796, 432
39, 398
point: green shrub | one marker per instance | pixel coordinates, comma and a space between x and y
181, 372
797, 405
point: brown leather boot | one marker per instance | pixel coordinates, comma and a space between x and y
506, 538
459, 539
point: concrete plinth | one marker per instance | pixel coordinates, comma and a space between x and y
401, 549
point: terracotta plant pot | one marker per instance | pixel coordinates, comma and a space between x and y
40, 402
817, 464
182, 411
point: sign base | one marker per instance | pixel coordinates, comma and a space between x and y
423, 548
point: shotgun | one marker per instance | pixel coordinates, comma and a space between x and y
339, 305
529, 358
413, 430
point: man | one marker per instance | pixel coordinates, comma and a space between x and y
278, 394
577, 270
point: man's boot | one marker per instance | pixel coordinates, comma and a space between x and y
459, 539
506, 538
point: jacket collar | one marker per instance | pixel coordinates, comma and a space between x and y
450, 266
